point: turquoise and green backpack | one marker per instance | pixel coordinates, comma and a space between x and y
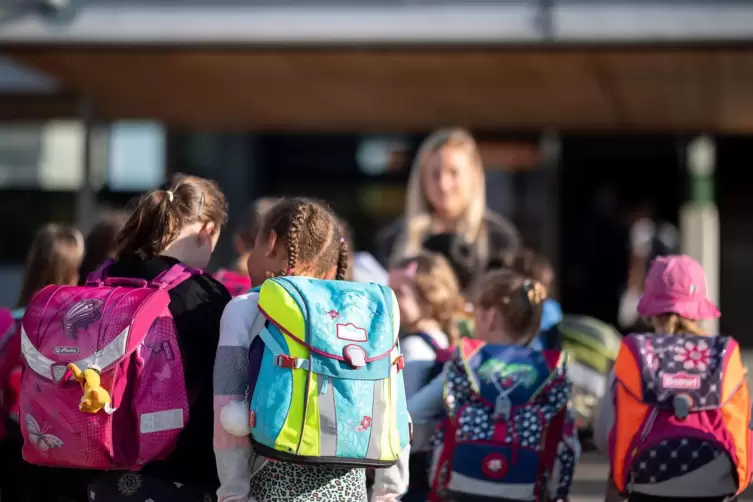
326, 382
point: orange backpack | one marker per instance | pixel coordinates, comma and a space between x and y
681, 401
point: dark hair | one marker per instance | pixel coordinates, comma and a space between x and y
517, 298
53, 258
160, 215
460, 254
249, 226
100, 244
314, 237
348, 236
534, 265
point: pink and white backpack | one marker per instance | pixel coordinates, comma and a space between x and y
123, 328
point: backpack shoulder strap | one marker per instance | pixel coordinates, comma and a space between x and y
627, 367
95, 278
429, 340
174, 276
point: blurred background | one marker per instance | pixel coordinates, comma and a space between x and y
593, 117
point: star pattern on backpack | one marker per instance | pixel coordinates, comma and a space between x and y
566, 459
672, 458
459, 392
525, 426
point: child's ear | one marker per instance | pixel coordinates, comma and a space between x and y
240, 247
206, 233
273, 250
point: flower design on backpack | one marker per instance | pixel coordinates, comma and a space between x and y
364, 425
82, 315
693, 356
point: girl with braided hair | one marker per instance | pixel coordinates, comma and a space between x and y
299, 237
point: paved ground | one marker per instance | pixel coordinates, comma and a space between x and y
590, 480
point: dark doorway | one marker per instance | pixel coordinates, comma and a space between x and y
606, 183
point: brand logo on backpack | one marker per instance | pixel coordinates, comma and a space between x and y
681, 381
82, 315
65, 351
352, 333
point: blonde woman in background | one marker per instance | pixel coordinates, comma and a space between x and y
447, 194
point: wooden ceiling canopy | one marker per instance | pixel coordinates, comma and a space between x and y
277, 90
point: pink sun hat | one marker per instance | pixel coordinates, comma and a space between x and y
676, 284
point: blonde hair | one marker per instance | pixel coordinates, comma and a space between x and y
673, 324
436, 285
518, 300
54, 258
418, 213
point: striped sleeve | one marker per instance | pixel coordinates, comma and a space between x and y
233, 453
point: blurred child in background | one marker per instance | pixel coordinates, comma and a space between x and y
54, 257
237, 278
100, 243
507, 316
428, 295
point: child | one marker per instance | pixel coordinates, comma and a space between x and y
299, 237
237, 278
429, 297
100, 242
534, 265
681, 362
507, 311
54, 258
177, 226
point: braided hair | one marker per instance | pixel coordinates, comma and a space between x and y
314, 240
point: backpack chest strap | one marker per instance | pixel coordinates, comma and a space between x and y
281, 358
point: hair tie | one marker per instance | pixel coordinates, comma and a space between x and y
201, 205
170, 195
290, 271
342, 240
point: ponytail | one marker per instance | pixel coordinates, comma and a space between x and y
161, 215
155, 224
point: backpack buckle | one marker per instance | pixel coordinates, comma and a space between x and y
292, 363
400, 363
355, 356
284, 361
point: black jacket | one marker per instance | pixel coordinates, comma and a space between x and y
503, 236
196, 305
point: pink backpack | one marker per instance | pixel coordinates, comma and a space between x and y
236, 284
123, 328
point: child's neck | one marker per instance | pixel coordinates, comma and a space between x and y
240, 265
424, 326
498, 338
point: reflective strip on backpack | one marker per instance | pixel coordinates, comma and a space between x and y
46, 367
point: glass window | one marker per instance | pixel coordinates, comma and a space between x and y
136, 156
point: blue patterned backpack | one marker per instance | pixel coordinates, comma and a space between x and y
326, 382
507, 434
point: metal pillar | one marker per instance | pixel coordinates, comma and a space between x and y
551, 149
699, 216
86, 200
